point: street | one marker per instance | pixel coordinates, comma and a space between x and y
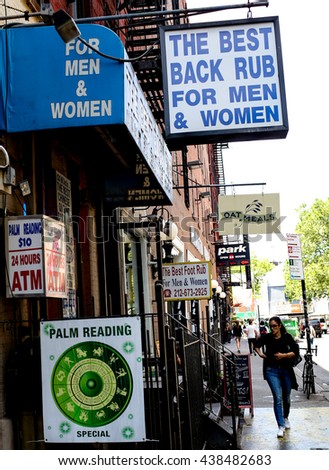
262, 396
309, 417
321, 358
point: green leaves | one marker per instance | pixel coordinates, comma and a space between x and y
313, 227
259, 268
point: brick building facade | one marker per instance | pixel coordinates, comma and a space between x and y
113, 268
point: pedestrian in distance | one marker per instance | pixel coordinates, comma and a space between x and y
280, 350
262, 328
228, 333
312, 334
252, 334
237, 333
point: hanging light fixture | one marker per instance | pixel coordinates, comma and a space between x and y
65, 26
24, 187
4, 158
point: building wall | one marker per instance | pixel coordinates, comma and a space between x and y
79, 156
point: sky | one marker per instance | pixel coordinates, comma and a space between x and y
295, 167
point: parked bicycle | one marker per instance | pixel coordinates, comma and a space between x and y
308, 372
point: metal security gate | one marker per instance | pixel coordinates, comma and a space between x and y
178, 392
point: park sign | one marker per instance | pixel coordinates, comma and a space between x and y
35, 257
223, 81
92, 380
187, 281
233, 254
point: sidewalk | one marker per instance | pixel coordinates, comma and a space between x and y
309, 418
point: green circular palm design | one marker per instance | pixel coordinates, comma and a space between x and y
91, 384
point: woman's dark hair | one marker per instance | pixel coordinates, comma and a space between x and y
279, 322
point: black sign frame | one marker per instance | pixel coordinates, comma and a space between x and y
220, 134
233, 258
243, 379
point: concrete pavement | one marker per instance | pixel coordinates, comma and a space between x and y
309, 418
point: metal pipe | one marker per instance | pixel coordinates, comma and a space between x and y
219, 185
185, 11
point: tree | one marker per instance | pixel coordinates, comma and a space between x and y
259, 268
313, 228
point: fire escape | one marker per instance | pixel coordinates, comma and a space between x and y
141, 33
220, 180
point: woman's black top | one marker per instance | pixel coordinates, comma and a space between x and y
237, 330
284, 344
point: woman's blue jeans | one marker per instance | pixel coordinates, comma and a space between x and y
280, 384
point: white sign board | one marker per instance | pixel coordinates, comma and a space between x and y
36, 257
224, 81
296, 269
146, 133
295, 256
64, 212
249, 214
294, 252
92, 380
184, 281
293, 239
55, 258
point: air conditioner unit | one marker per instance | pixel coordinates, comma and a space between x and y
4, 188
9, 176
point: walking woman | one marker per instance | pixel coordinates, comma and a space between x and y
252, 334
279, 350
237, 333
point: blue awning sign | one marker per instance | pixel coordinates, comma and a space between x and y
55, 85
47, 84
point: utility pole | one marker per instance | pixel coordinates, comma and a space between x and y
308, 336
297, 273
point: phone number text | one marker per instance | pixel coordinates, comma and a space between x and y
188, 292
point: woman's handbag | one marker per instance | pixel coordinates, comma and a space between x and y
296, 360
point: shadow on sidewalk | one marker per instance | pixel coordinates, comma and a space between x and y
309, 418
309, 430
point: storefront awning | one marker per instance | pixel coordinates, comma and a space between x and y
47, 84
